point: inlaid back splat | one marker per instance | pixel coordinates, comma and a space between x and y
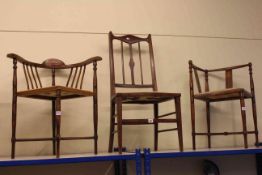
229, 78
53, 63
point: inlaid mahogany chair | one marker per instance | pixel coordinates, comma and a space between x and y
132, 70
54, 93
229, 93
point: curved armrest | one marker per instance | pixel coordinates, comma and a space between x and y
219, 69
230, 68
22, 60
53, 63
86, 62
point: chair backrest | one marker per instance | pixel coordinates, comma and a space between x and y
193, 70
75, 78
132, 69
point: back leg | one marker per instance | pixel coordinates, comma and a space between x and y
112, 127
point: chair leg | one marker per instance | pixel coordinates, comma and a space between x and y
54, 127
254, 112
192, 104
58, 123
14, 115
112, 127
179, 123
119, 123
156, 127
208, 123
243, 114
95, 116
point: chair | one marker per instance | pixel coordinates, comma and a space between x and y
129, 45
229, 93
54, 93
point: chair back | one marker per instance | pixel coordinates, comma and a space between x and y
228, 71
74, 77
128, 53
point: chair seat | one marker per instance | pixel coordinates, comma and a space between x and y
223, 95
146, 97
49, 93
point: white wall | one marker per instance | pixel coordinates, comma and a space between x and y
211, 33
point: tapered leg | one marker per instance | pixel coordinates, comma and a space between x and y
254, 112
119, 123
112, 127
54, 127
156, 127
179, 123
243, 114
58, 122
13, 140
95, 116
208, 123
192, 104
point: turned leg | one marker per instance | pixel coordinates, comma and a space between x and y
95, 119
14, 114
54, 127
254, 112
58, 122
243, 114
208, 123
119, 123
192, 104
14, 109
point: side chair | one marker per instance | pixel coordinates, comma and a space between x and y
132, 72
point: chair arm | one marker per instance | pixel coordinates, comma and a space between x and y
22, 60
86, 62
230, 68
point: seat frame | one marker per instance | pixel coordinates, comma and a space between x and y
55, 94
229, 93
154, 98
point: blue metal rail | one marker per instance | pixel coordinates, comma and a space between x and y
148, 156
47, 161
198, 153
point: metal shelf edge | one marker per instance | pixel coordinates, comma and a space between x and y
66, 160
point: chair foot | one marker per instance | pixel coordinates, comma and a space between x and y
111, 142
13, 150
193, 141
117, 149
258, 144
95, 145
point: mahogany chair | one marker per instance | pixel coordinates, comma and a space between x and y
128, 46
229, 93
54, 93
